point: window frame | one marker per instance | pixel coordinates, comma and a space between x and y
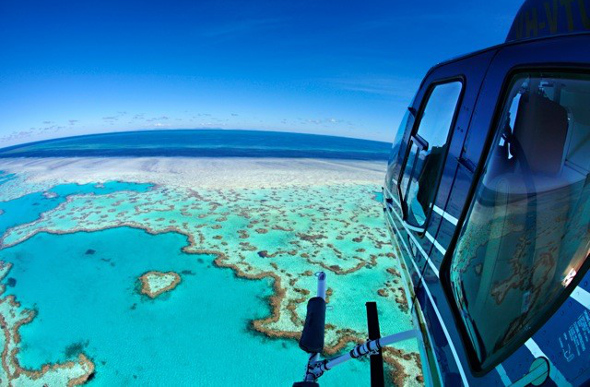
415, 137
493, 131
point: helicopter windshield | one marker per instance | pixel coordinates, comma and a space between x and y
526, 238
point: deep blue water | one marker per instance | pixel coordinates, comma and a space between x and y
204, 143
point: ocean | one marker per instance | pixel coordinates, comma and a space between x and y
195, 335
79, 244
204, 143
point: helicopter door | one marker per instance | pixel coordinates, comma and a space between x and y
421, 172
441, 212
428, 148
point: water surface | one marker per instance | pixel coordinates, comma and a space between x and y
204, 143
84, 288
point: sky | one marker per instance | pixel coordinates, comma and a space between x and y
345, 68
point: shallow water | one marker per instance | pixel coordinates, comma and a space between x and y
29, 207
84, 284
193, 335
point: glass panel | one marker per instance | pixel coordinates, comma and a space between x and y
409, 169
527, 232
393, 168
421, 177
407, 120
416, 211
438, 114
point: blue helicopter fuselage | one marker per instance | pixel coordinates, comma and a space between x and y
487, 200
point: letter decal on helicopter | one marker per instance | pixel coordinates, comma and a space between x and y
567, 352
576, 340
550, 18
580, 332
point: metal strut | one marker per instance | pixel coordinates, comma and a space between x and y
312, 339
377, 379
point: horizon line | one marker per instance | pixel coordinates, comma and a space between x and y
15, 146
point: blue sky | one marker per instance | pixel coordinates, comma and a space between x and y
345, 68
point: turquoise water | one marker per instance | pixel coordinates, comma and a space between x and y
29, 207
379, 196
84, 287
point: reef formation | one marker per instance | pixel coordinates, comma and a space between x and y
267, 222
12, 318
154, 283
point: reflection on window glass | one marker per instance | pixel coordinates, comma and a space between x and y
527, 233
428, 149
393, 168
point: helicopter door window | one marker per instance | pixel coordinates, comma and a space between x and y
427, 153
526, 239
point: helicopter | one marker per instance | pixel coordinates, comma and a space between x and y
487, 200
